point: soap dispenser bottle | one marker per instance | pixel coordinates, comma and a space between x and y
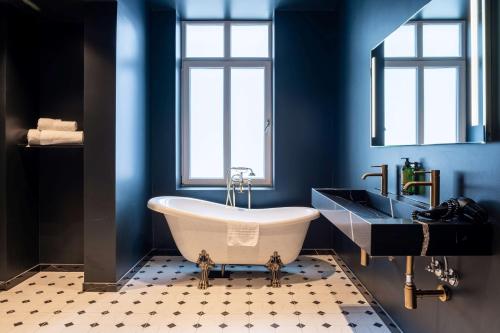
407, 175
418, 177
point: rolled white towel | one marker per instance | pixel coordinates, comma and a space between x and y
71, 126
60, 137
33, 137
56, 125
46, 123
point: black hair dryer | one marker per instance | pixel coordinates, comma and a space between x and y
463, 209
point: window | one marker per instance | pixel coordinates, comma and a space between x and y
226, 101
424, 83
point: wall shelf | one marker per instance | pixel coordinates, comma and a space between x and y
69, 146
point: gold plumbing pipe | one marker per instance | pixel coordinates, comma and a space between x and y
411, 293
410, 289
365, 258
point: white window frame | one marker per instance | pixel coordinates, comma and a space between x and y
419, 62
226, 62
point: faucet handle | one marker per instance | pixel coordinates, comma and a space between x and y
378, 166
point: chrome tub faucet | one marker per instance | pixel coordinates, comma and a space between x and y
236, 182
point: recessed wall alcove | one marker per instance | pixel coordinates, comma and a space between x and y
41, 75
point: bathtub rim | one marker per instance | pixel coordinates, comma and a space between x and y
155, 205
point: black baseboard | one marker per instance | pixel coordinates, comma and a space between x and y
101, 287
116, 286
6, 285
61, 267
166, 252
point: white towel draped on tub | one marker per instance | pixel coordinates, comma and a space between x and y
56, 125
242, 234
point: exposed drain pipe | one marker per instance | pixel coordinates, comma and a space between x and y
365, 258
411, 293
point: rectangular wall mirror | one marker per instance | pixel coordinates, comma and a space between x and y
430, 77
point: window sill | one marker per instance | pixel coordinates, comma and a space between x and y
220, 188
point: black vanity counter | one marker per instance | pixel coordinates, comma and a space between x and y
383, 226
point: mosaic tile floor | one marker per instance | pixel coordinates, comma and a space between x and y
316, 296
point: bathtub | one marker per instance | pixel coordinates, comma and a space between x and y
198, 225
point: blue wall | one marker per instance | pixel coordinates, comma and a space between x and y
60, 171
133, 221
18, 185
116, 163
467, 169
99, 151
41, 199
303, 101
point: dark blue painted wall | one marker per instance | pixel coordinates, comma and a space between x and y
60, 171
303, 98
117, 183
41, 200
18, 219
133, 220
99, 151
467, 169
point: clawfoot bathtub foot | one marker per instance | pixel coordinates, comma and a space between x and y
274, 265
205, 264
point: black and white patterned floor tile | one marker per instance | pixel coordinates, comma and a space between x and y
316, 296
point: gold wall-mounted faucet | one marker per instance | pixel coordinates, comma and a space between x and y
434, 184
383, 177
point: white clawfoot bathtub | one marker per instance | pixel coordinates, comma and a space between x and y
198, 225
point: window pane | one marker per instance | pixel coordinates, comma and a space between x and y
441, 40
249, 40
204, 40
400, 111
440, 105
248, 118
206, 120
401, 43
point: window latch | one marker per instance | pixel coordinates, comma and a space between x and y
267, 125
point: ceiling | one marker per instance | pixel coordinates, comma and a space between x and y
240, 9
61, 9
191, 9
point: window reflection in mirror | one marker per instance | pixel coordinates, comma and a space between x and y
428, 85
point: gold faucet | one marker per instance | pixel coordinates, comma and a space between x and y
434, 184
382, 175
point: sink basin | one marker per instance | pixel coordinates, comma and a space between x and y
382, 225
